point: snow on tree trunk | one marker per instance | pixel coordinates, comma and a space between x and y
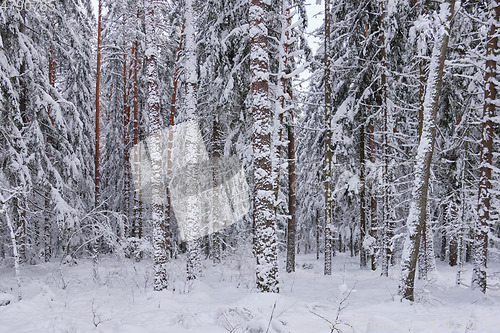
418, 206
137, 226
193, 208
483, 223
387, 228
285, 105
126, 120
362, 201
97, 133
328, 147
266, 244
373, 198
14, 247
154, 145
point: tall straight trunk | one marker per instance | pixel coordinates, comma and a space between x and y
318, 233
483, 223
96, 158
126, 121
328, 146
373, 196
387, 225
168, 204
193, 208
97, 90
137, 227
46, 227
286, 104
291, 234
217, 149
453, 235
19, 206
362, 203
157, 186
418, 206
266, 243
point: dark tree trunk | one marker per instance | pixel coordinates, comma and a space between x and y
483, 225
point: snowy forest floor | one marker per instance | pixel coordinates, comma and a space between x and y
224, 299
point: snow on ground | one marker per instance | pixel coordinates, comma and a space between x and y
65, 299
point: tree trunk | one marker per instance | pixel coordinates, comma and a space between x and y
373, 197
318, 233
418, 206
266, 245
126, 121
217, 149
193, 206
46, 228
15, 252
387, 232
153, 105
96, 159
287, 107
483, 223
362, 203
137, 227
328, 146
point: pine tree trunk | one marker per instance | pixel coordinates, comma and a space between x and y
97, 90
126, 157
286, 98
483, 223
362, 203
46, 227
266, 244
318, 234
153, 110
328, 147
453, 236
137, 227
387, 232
373, 197
418, 206
290, 253
96, 160
217, 149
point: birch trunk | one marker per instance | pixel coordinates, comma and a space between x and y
418, 206
153, 110
192, 206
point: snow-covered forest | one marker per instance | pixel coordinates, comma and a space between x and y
221, 166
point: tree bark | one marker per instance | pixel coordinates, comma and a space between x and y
266, 245
388, 231
126, 121
153, 110
373, 196
483, 223
328, 147
192, 207
137, 227
362, 203
418, 206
